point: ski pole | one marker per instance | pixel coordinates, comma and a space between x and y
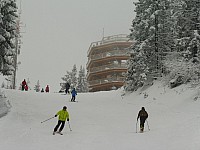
136, 126
47, 119
148, 126
69, 126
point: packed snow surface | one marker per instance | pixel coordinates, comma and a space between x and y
104, 120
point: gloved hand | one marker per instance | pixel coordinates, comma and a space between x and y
55, 115
67, 119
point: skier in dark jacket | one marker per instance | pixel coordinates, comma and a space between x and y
67, 88
143, 115
74, 93
42, 90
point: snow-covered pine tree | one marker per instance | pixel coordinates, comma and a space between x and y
74, 77
8, 35
165, 28
139, 34
188, 28
82, 82
3, 85
71, 78
66, 79
37, 86
185, 61
153, 35
136, 74
178, 66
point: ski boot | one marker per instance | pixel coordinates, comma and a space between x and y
60, 133
141, 129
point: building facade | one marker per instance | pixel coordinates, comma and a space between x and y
107, 63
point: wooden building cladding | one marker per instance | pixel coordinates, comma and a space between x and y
107, 63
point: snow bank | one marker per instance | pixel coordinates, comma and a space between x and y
4, 104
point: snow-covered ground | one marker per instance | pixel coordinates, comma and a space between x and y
103, 120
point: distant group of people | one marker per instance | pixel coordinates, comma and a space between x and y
63, 114
46, 89
67, 87
25, 87
73, 92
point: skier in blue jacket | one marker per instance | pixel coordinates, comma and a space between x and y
74, 93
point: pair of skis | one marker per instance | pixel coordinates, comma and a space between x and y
62, 133
73, 101
142, 130
57, 133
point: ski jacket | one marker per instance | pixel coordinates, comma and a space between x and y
63, 115
142, 114
67, 86
24, 83
47, 89
74, 93
26, 87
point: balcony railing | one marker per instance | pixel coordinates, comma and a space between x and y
110, 39
111, 53
108, 54
106, 67
106, 80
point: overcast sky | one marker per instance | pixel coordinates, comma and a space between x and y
58, 34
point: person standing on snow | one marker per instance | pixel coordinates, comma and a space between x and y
23, 84
143, 115
26, 87
42, 90
74, 93
47, 89
63, 115
67, 88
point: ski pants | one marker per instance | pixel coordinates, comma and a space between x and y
57, 126
67, 90
73, 98
142, 121
22, 87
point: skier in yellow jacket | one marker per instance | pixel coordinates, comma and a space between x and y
63, 115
